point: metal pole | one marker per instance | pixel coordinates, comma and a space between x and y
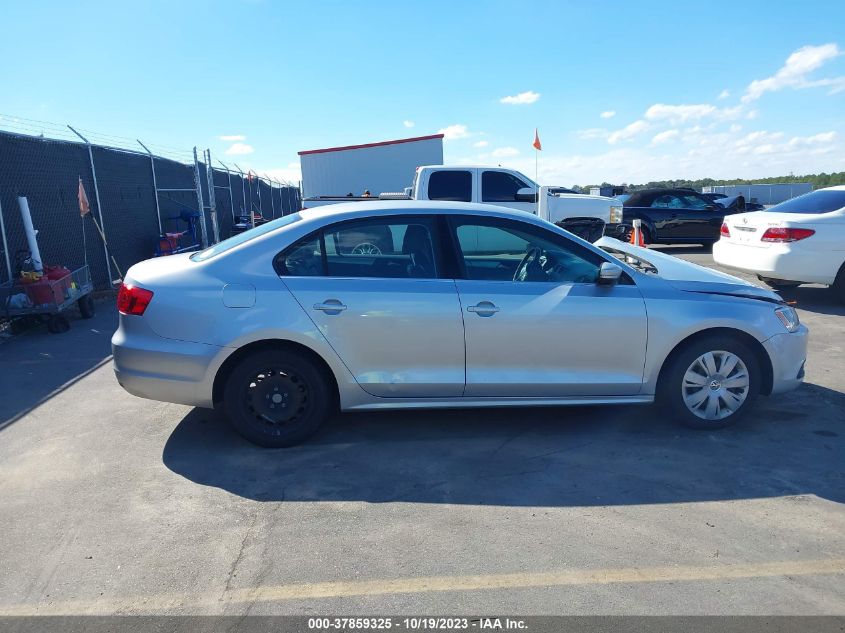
102, 226
243, 189
5, 243
272, 197
231, 197
212, 198
198, 184
258, 185
155, 186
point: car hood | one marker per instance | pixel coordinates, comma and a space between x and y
687, 276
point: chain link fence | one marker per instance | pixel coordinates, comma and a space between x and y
134, 195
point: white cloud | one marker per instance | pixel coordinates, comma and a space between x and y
408, 124
454, 132
608, 114
664, 137
683, 113
735, 127
233, 137
522, 98
725, 94
628, 132
793, 74
288, 175
592, 133
679, 113
816, 139
752, 114
239, 149
504, 152
481, 144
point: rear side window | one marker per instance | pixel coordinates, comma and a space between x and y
388, 248
813, 202
455, 186
499, 186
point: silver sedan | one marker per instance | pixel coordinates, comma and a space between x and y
388, 305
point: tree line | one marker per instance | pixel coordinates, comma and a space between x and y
818, 181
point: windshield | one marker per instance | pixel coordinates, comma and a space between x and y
822, 201
246, 236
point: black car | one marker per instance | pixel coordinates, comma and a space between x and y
672, 216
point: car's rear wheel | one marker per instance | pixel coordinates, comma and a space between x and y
276, 398
711, 383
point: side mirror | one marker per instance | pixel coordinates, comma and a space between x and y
609, 274
525, 194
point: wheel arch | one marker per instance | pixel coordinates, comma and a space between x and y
272, 344
743, 337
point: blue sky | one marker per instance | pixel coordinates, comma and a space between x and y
722, 89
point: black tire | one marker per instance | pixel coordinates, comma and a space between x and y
58, 324
86, 306
291, 381
672, 388
838, 286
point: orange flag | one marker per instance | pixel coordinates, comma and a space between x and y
537, 140
84, 207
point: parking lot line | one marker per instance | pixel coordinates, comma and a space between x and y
362, 588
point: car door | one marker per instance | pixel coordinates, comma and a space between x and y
371, 287
552, 333
667, 215
500, 188
702, 218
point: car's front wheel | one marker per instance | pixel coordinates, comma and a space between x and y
277, 398
710, 383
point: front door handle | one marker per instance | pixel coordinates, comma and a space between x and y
330, 306
484, 308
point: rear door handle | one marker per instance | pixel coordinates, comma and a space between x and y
484, 308
330, 306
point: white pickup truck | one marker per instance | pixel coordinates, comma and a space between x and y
502, 187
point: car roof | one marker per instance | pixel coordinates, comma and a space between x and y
645, 197
344, 210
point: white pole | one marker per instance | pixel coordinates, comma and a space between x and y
31, 233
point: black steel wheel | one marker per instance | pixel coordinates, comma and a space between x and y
58, 323
277, 398
86, 306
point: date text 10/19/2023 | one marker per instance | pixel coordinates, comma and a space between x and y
415, 623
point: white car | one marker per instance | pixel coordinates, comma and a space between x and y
795, 242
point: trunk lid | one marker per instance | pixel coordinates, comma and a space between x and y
748, 228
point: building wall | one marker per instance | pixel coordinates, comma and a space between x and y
763, 194
379, 169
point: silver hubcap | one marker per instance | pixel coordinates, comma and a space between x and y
715, 385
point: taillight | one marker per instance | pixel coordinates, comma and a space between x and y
777, 234
725, 231
133, 300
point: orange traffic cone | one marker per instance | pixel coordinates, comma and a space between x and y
634, 237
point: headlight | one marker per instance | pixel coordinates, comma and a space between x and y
789, 317
616, 215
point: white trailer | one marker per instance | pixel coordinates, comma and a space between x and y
375, 167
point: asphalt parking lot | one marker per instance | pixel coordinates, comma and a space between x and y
113, 504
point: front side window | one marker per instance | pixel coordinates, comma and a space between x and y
450, 185
499, 186
388, 248
509, 251
667, 202
694, 202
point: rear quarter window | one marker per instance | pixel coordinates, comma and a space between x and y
452, 185
813, 202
